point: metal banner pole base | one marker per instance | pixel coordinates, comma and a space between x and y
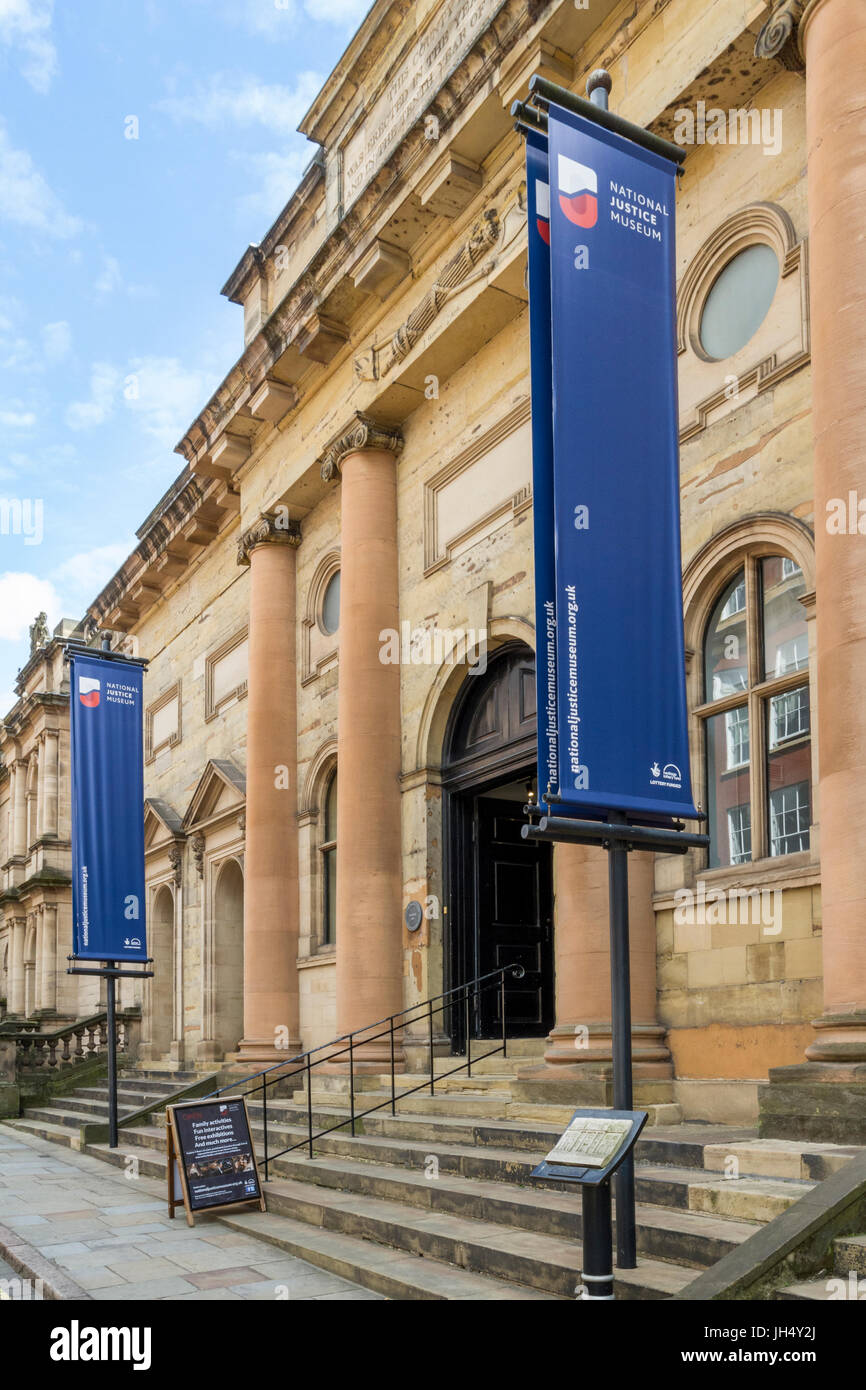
110, 987
620, 1004
597, 1272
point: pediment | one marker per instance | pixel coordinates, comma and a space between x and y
162, 823
221, 790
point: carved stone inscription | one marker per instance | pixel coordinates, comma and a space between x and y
426, 66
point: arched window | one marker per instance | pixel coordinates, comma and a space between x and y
756, 715
329, 619
328, 850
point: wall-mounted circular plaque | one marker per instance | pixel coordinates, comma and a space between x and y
414, 915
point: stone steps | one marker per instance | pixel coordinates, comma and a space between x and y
686, 1236
438, 1201
380, 1268
547, 1264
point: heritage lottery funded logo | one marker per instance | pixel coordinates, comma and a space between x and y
88, 691
578, 191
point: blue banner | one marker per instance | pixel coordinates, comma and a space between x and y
538, 198
108, 904
621, 702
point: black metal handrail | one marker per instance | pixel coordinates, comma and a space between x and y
303, 1062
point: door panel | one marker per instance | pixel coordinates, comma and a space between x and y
513, 920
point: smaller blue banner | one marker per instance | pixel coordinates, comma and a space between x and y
108, 902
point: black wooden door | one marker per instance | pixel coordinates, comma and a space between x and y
513, 920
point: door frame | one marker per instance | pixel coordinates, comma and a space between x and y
462, 781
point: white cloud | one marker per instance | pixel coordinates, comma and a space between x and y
82, 576
22, 597
25, 28
234, 99
25, 197
17, 419
110, 279
278, 176
348, 12
56, 340
165, 396
104, 386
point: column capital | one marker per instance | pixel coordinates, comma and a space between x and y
270, 529
359, 433
779, 37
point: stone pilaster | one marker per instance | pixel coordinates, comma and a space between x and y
271, 999
16, 967
369, 859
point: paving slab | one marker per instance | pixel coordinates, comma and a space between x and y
91, 1231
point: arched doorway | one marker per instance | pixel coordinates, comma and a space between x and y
499, 886
228, 945
161, 942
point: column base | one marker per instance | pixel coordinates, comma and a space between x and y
824, 1102
254, 1051
367, 1058
589, 1047
841, 1038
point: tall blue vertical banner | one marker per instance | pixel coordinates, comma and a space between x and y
622, 733
538, 212
108, 903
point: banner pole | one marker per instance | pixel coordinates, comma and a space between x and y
620, 1007
111, 985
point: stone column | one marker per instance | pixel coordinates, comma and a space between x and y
50, 785
46, 957
369, 852
581, 1036
16, 967
271, 998
832, 38
19, 809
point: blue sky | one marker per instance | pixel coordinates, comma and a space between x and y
113, 250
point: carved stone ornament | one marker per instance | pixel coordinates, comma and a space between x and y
778, 38
270, 529
38, 633
197, 844
362, 433
175, 859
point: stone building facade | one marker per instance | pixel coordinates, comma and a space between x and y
339, 583
35, 846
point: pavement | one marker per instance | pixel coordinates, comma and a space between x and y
89, 1231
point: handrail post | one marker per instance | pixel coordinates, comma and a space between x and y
265, 1119
352, 1083
393, 1081
430, 1038
502, 1012
466, 1026
310, 1104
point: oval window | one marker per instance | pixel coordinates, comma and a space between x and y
738, 302
331, 605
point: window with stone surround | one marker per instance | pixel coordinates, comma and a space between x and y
328, 851
226, 674
755, 713
162, 723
